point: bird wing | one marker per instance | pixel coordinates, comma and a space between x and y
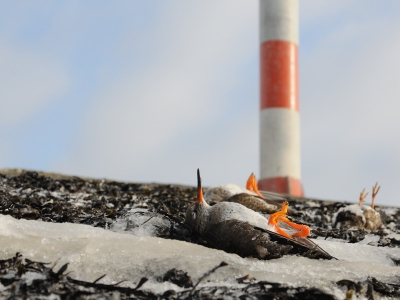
302, 245
256, 203
235, 236
242, 238
273, 196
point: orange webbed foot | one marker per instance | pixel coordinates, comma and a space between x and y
275, 218
281, 215
251, 185
304, 230
281, 232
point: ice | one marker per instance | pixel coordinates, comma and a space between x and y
394, 235
140, 222
390, 211
28, 277
93, 252
312, 204
359, 253
370, 238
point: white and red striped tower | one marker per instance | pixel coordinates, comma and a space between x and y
279, 117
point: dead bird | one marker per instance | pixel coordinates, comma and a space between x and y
249, 196
234, 228
358, 215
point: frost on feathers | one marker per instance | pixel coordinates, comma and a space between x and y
354, 216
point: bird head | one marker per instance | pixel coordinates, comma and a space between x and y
197, 213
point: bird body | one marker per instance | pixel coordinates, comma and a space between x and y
249, 196
235, 228
224, 211
358, 215
355, 216
223, 192
230, 227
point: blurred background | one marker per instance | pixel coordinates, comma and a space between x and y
149, 91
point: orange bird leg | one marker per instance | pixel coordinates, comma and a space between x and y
375, 191
275, 218
251, 185
363, 195
304, 230
279, 216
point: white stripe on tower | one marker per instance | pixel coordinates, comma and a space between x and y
279, 116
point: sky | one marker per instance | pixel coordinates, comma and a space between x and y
149, 91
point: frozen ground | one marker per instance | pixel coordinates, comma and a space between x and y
120, 217
92, 252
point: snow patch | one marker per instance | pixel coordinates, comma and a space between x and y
394, 235
140, 222
93, 252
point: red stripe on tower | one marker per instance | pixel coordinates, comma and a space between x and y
279, 103
279, 86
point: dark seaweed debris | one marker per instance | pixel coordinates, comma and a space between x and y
46, 282
56, 198
370, 286
26, 279
32, 196
178, 277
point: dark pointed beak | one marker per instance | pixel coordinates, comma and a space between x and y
200, 198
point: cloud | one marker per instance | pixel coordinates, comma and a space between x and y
29, 81
349, 111
172, 87
317, 12
161, 119
143, 125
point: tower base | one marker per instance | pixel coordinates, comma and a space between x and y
283, 185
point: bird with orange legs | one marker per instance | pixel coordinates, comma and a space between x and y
359, 216
232, 227
249, 196
254, 200
281, 216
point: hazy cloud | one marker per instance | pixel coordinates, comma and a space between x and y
349, 105
29, 81
145, 123
154, 91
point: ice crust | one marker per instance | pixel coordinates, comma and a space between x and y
138, 223
93, 252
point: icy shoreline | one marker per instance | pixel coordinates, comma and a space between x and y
92, 252
129, 231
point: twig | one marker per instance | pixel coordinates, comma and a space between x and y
222, 264
55, 263
101, 277
146, 221
108, 287
62, 269
119, 282
142, 281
